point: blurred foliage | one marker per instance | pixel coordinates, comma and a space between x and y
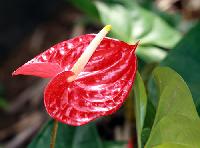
173, 19
73, 137
68, 136
87, 7
3, 103
131, 22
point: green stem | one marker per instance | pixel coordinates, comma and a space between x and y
53, 134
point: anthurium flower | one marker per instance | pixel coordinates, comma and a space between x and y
91, 76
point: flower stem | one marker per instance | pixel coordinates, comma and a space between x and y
53, 134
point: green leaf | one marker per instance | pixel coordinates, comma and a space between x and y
112, 14
146, 3
140, 105
145, 135
172, 145
150, 115
130, 22
176, 118
174, 95
177, 129
150, 53
68, 136
185, 59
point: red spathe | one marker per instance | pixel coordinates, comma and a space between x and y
100, 89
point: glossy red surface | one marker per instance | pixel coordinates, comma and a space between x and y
100, 89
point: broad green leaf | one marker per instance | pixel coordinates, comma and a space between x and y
172, 145
140, 100
176, 118
68, 136
185, 59
174, 95
176, 129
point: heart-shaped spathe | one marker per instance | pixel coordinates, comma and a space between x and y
100, 89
